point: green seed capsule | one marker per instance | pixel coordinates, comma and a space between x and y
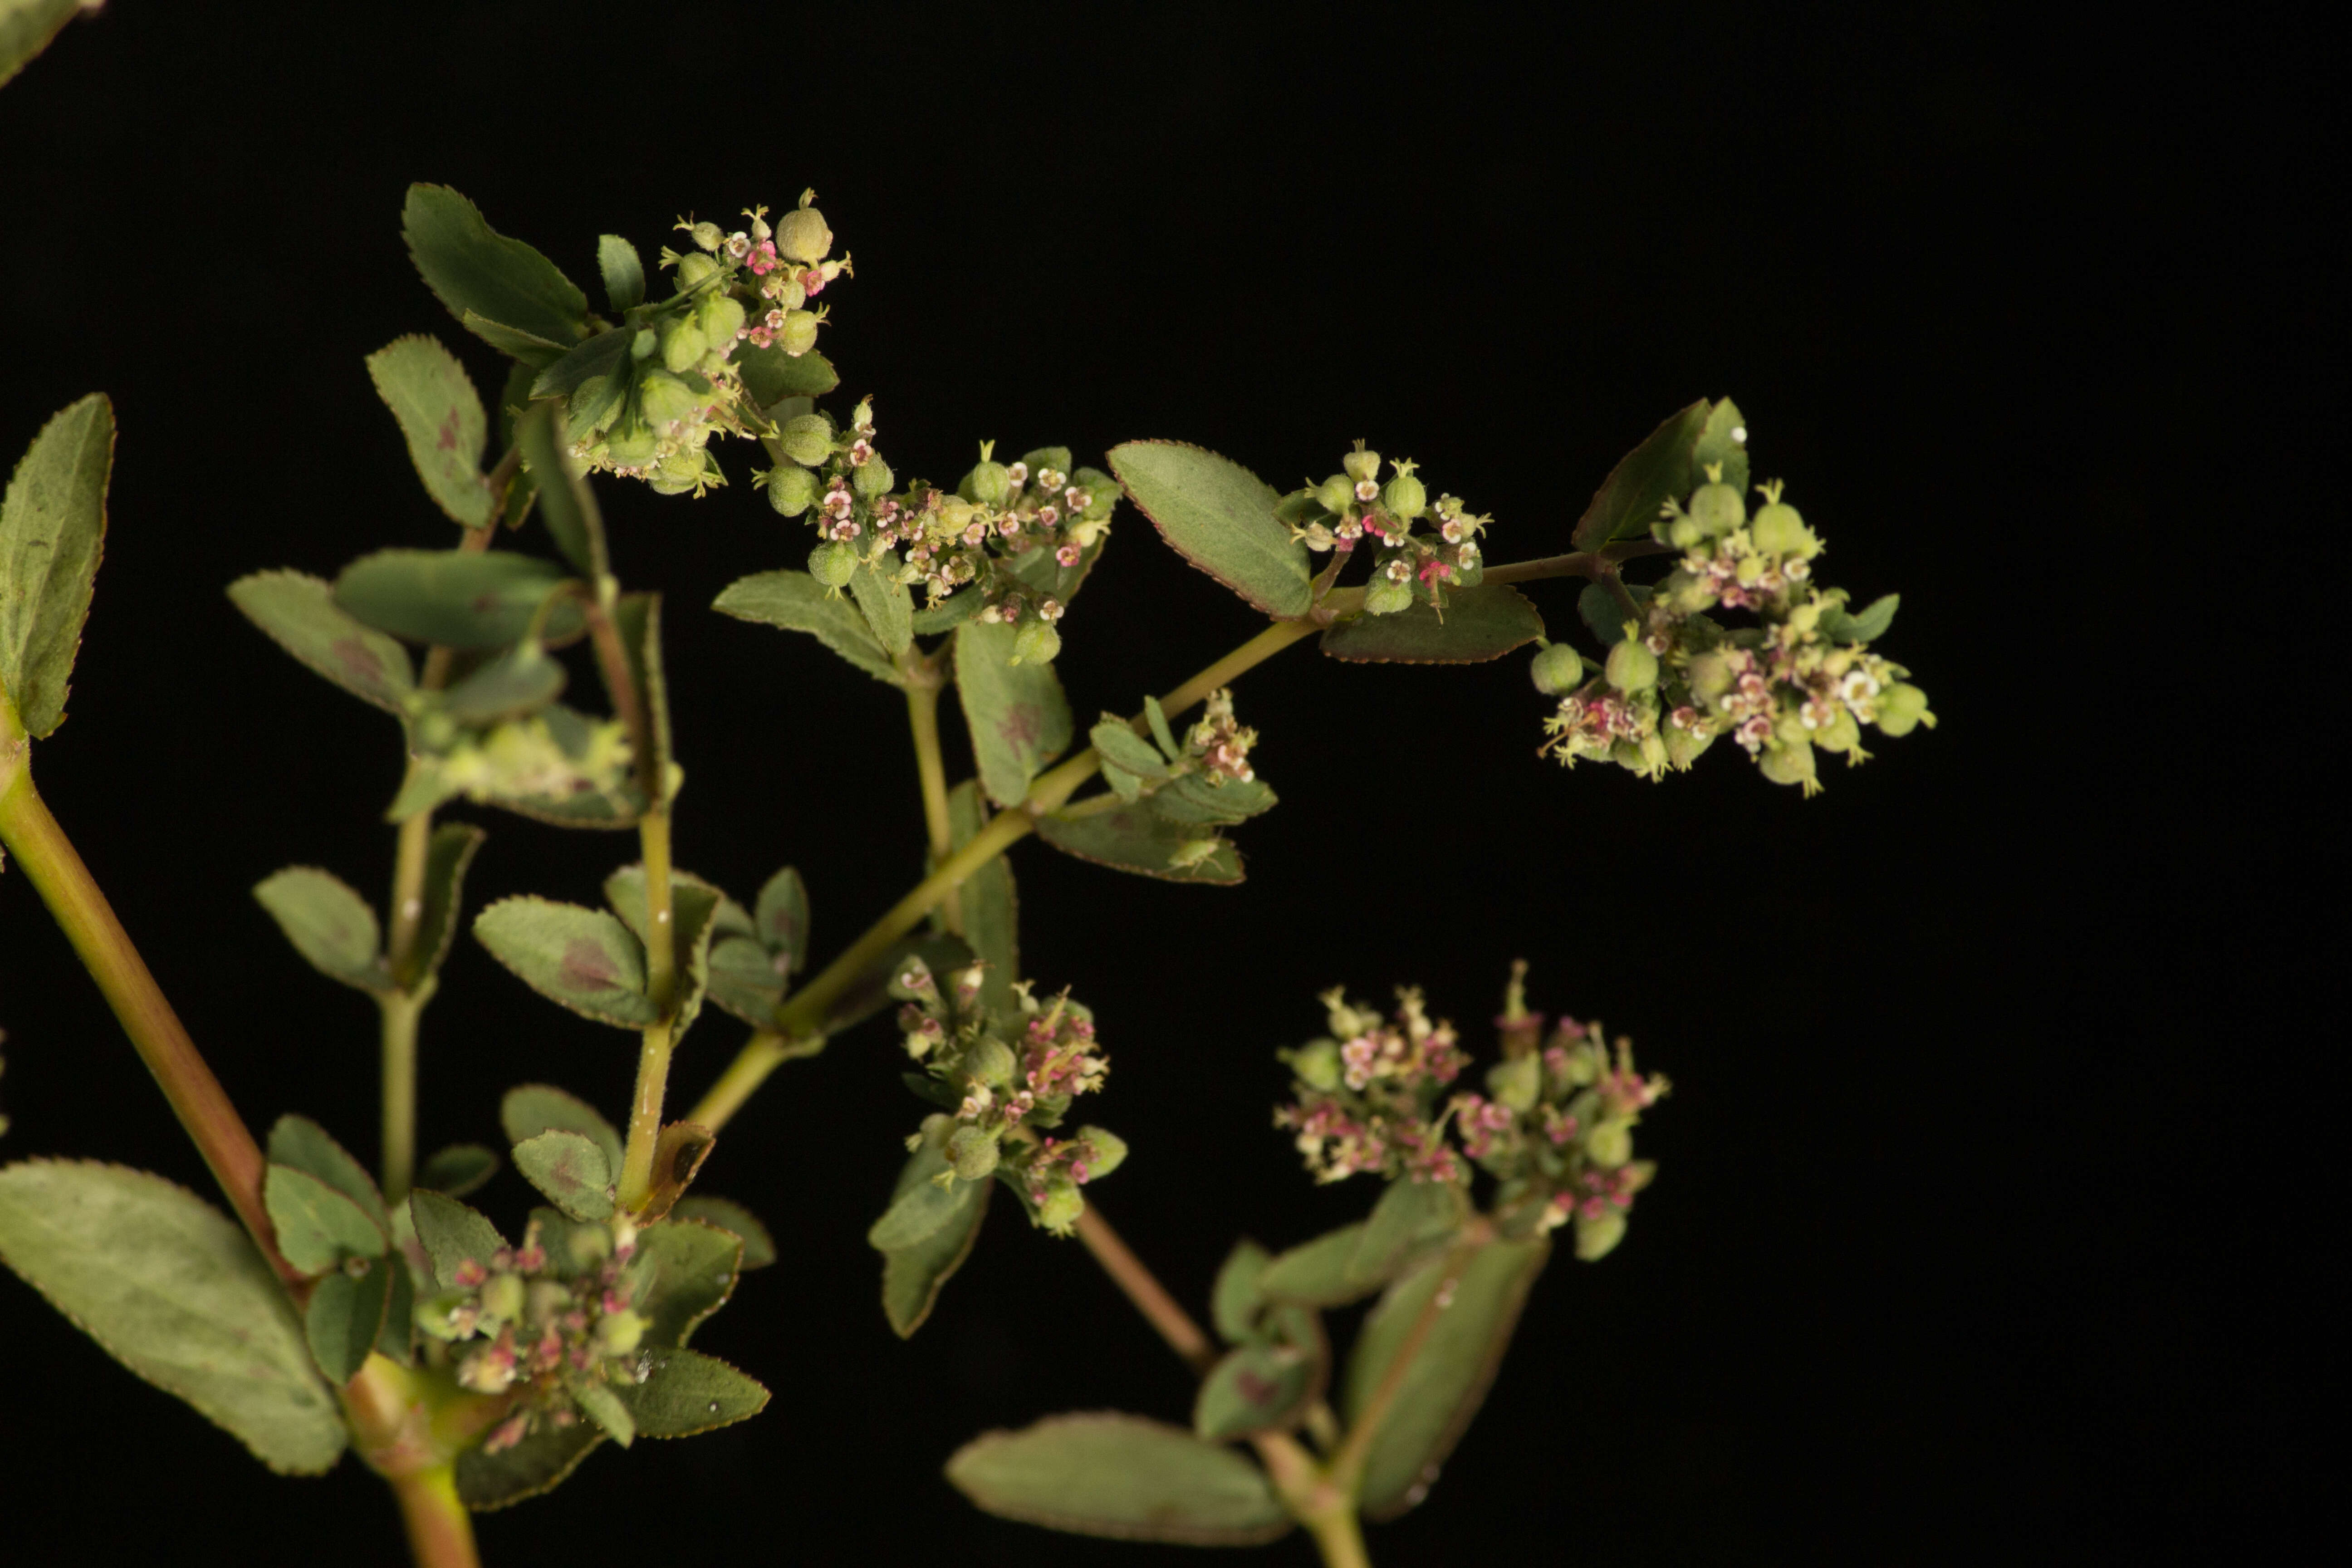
683, 345
798, 334
792, 491
1061, 1207
708, 236
1902, 708
665, 400
1711, 674
1516, 1083
873, 477
693, 269
1382, 597
502, 1298
803, 237
619, 1333
1106, 1151
1596, 1238
721, 318
973, 1153
630, 448
991, 1062
1787, 763
1360, 466
832, 564
1684, 746
1316, 1064
1335, 493
1557, 670
807, 439
1405, 496
1608, 1145
1035, 642
1632, 665
642, 346
990, 483
1841, 734
1717, 509
1779, 530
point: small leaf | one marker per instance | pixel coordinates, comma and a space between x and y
624, 272
771, 375
686, 1393
1449, 1378
1717, 444
474, 268
694, 910
1603, 615
1868, 626
26, 27
1315, 1273
745, 980
781, 916
317, 1228
584, 959
1119, 744
458, 598
1233, 1304
441, 418
1408, 1217
1157, 719
1256, 1388
451, 1234
171, 1287
565, 502
990, 902
796, 602
1643, 480
303, 1143
918, 1211
300, 615
1135, 838
330, 925
950, 612
529, 1110
592, 360
1102, 1473
1220, 517
600, 1405
913, 1275
570, 1169
538, 1464
679, 1151
887, 609
1015, 713
685, 1269
724, 1213
52, 533
1478, 625
346, 1316
531, 350
446, 856
459, 1169
1195, 801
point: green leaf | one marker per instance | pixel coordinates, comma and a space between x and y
1448, 1378
514, 684
300, 615
530, 1109
52, 532
461, 599
990, 902
1015, 713
724, 1213
346, 1316
593, 360
771, 375
1410, 1216
694, 910
531, 350
1233, 1304
1478, 623
441, 418
950, 612
888, 611
584, 959
624, 272
918, 1211
796, 602
451, 1234
1603, 615
459, 1169
1315, 1273
1135, 838
686, 1393
446, 856
318, 1227
472, 269
571, 1170
1102, 1473
1195, 800
27, 25
1643, 479
1123, 746
746, 981
301, 1143
1220, 517
1868, 626
781, 916
685, 1269
914, 1274
173, 1290
1717, 443
330, 925
1157, 719
538, 1464
600, 1405
568, 507
1256, 1388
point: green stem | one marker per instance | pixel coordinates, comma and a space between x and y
1143, 1288
80, 910
923, 719
440, 1531
661, 986
1339, 1538
400, 1010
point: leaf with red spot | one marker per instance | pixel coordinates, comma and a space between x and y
301, 615
1016, 714
441, 417
583, 959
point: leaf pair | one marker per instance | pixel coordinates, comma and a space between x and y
331, 1223
753, 959
336, 931
1168, 826
595, 962
1278, 1366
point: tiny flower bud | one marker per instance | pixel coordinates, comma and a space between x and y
1631, 666
973, 1153
1557, 670
792, 491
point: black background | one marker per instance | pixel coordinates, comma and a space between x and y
1968, 1238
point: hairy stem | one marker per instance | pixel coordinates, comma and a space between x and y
923, 719
58, 874
661, 986
400, 1010
1151, 1297
440, 1531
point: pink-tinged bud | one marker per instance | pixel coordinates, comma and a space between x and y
469, 1275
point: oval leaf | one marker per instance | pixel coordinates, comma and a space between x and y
624, 272
318, 1227
300, 615
1102, 1473
1410, 1215
451, 1234
914, 1274
52, 532
477, 271
458, 598
990, 902
685, 1269
346, 1316
459, 1169
571, 1170
724, 1213
1315, 1273
1137, 838
446, 856
171, 1287
796, 602
441, 418
298, 1141
685, 1393
1256, 1388
539, 1463
584, 959
1015, 713
530, 1109
1233, 1303
330, 925
1220, 517
1643, 479
1477, 625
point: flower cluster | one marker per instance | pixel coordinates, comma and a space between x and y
549, 1336
1350, 506
1005, 1082
1218, 744
546, 759
646, 405
1554, 1127
1802, 680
